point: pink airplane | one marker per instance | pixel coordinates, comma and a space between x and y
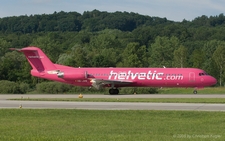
114, 78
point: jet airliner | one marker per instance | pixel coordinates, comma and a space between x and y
114, 78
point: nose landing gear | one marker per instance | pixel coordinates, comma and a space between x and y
195, 92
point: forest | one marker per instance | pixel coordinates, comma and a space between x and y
103, 39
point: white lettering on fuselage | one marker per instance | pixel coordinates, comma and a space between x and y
138, 75
174, 77
150, 75
35, 56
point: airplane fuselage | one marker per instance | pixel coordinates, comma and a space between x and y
141, 77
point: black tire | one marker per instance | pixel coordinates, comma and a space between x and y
195, 92
116, 91
113, 91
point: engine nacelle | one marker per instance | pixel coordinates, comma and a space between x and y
73, 75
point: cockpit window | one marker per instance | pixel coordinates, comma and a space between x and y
202, 73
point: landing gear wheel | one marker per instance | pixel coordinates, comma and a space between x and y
110, 91
195, 92
113, 91
116, 91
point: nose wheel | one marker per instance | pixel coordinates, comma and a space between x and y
195, 92
113, 91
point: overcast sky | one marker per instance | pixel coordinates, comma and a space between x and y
175, 10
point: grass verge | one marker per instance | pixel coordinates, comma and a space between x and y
92, 125
207, 90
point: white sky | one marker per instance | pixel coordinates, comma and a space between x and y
175, 10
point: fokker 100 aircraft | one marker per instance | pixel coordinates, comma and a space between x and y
114, 78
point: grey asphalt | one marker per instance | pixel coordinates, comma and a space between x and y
5, 103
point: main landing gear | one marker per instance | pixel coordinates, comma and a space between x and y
113, 91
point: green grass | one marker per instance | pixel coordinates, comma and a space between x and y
162, 100
95, 125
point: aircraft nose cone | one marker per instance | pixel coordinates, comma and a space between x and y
213, 81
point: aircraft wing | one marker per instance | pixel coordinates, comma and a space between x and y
98, 83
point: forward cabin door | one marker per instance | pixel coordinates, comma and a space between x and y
192, 77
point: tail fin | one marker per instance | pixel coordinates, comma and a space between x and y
37, 59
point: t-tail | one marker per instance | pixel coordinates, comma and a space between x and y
37, 59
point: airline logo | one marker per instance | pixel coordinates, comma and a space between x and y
150, 75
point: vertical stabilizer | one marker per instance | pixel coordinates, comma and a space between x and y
37, 59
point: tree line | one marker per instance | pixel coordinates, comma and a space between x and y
119, 39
